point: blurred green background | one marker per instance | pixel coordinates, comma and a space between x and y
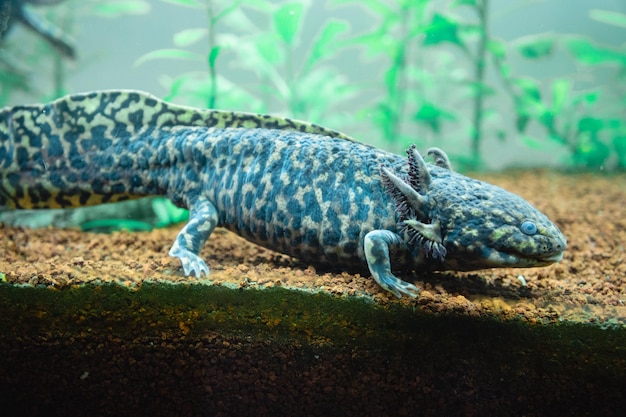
495, 83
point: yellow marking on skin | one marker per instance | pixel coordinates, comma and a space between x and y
166, 118
476, 212
499, 233
84, 112
75, 202
498, 212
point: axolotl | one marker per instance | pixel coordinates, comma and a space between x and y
294, 187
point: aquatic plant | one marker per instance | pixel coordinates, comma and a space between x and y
432, 85
417, 92
14, 59
49, 44
588, 122
428, 73
266, 49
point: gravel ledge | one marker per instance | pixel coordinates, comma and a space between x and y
163, 349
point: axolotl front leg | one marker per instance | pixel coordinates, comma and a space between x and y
376, 246
203, 218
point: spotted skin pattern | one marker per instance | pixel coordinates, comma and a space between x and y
290, 186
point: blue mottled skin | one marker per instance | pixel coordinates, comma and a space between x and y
308, 196
319, 197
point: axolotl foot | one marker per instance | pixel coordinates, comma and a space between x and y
202, 221
192, 263
377, 244
395, 285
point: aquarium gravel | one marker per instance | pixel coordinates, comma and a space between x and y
106, 324
588, 285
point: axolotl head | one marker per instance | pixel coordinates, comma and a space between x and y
464, 224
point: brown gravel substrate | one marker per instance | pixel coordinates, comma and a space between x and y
546, 341
588, 285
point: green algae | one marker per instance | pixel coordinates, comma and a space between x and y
193, 336
177, 310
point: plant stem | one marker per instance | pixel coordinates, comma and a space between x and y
479, 76
294, 107
58, 74
65, 17
398, 94
211, 102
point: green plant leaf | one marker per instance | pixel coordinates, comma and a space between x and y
326, 44
382, 115
618, 124
442, 29
376, 42
458, 3
13, 79
463, 163
469, 29
390, 78
112, 225
479, 89
432, 115
532, 142
536, 46
186, 3
590, 98
266, 47
609, 17
555, 137
407, 6
226, 11
167, 54
590, 152
287, 20
560, 93
505, 70
189, 36
528, 104
314, 89
521, 122
167, 213
118, 8
497, 48
528, 87
213, 54
587, 52
590, 124
546, 117
376, 7
175, 86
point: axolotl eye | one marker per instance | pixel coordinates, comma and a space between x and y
528, 228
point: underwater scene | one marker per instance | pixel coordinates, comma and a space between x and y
312, 207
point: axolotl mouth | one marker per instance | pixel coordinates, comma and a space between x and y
498, 259
529, 244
